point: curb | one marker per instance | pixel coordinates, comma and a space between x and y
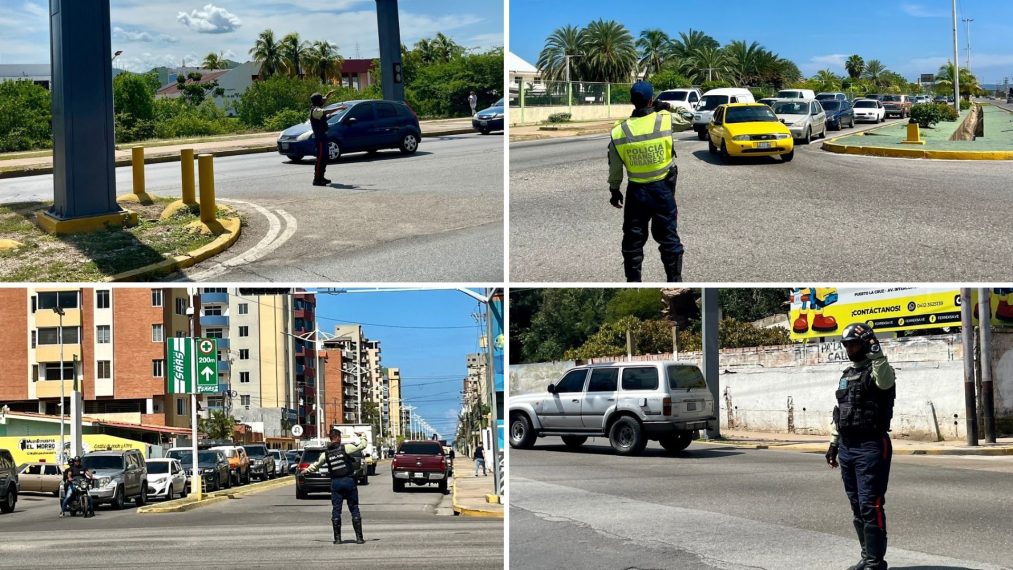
822, 448
831, 146
187, 503
466, 512
220, 244
34, 171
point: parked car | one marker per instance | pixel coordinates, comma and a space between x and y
804, 118
419, 463
358, 126
769, 101
490, 119
40, 477
831, 96
921, 99
280, 461
119, 477
1009, 100
629, 402
166, 478
873, 96
8, 482
212, 466
687, 98
307, 483
796, 94
840, 114
239, 462
261, 462
899, 105
711, 100
869, 110
749, 129
293, 456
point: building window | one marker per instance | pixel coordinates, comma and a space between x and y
213, 311
244, 377
35, 338
51, 335
244, 400
102, 299
244, 331
244, 308
214, 290
157, 333
105, 369
156, 297
158, 368
62, 299
51, 370
180, 406
244, 354
214, 333
103, 334
180, 306
180, 334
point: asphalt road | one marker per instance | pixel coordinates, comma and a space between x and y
822, 217
436, 215
269, 529
720, 507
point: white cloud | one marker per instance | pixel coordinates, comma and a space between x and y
834, 62
210, 20
126, 35
920, 11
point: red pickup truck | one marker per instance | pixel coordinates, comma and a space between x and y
419, 463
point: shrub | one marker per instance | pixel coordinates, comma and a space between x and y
948, 112
928, 114
25, 116
668, 79
266, 98
715, 84
284, 119
964, 105
559, 118
132, 95
176, 118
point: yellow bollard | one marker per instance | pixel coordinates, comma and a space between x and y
137, 158
914, 135
206, 171
186, 166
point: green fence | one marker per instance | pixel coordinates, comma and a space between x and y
560, 93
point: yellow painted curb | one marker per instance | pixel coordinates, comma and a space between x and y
494, 499
142, 198
231, 228
172, 208
190, 502
831, 146
52, 225
6, 244
466, 512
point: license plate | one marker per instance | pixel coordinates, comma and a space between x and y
761, 145
420, 475
483, 123
691, 406
284, 146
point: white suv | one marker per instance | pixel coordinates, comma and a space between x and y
630, 403
687, 98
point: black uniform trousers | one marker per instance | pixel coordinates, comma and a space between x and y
344, 489
865, 468
651, 205
321, 166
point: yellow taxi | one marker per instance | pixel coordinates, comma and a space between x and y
748, 129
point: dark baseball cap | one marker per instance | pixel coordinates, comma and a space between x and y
641, 93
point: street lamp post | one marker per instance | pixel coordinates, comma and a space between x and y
956, 62
967, 32
59, 311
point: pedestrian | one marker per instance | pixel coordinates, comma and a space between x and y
341, 466
480, 460
473, 102
861, 441
643, 144
318, 122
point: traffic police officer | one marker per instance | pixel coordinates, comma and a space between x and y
861, 443
318, 122
643, 144
341, 466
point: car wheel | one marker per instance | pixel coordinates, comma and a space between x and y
627, 436
676, 441
142, 499
574, 441
117, 502
12, 499
56, 493
295, 157
398, 486
786, 157
443, 487
333, 151
701, 135
409, 143
522, 435
184, 492
484, 131
725, 157
710, 146
170, 494
808, 138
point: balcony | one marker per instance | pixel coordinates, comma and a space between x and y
349, 418
349, 405
224, 366
350, 392
214, 298
301, 314
223, 388
223, 343
214, 321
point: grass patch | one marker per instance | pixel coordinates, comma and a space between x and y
97, 255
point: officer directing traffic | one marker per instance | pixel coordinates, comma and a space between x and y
643, 144
318, 122
341, 466
861, 442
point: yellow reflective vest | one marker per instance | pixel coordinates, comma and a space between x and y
645, 146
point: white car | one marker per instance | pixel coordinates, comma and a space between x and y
804, 118
280, 461
869, 110
166, 479
687, 98
711, 100
795, 94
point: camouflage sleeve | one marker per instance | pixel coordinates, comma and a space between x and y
679, 122
615, 168
318, 463
882, 372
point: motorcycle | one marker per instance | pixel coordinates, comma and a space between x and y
80, 503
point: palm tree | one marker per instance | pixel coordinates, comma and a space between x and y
322, 59
855, 66
293, 52
218, 425
744, 61
444, 48
705, 64
944, 81
655, 47
552, 59
874, 71
610, 52
690, 42
267, 52
827, 80
214, 61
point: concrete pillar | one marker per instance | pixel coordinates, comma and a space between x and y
391, 75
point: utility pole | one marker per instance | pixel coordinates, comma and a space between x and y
195, 479
358, 371
60, 457
967, 32
967, 342
985, 325
956, 62
491, 307
711, 369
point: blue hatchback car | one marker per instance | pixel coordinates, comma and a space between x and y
840, 114
358, 126
488, 120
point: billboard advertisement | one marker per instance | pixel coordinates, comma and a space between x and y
36, 448
825, 311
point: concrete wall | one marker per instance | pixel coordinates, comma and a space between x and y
790, 389
534, 115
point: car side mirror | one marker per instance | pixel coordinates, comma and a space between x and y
551, 389
351, 120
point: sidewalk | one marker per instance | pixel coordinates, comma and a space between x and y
470, 492
41, 162
559, 130
803, 443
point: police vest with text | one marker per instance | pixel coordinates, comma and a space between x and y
645, 146
862, 408
339, 462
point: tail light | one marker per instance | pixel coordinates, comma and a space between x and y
666, 406
412, 110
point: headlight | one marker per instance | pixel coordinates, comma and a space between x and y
498, 116
104, 481
305, 136
781, 136
741, 138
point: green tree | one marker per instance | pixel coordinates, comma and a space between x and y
706, 63
669, 79
218, 425
874, 71
691, 42
322, 60
193, 91
752, 304
268, 53
441, 89
655, 47
565, 319
827, 80
133, 96
855, 66
214, 61
25, 116
641, 303
944, 81
153, 81
293, 54
266, 98
562, 42
610, 54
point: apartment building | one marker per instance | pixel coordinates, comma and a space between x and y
396, 416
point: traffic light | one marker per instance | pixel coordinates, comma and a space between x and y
397, 73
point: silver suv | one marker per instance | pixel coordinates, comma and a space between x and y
119, 477
630, 403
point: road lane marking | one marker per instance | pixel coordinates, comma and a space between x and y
276, 236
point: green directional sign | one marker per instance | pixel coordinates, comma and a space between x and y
193, 363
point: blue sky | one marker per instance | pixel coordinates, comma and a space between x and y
432, 360
158, 32
908, 36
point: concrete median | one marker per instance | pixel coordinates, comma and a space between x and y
190, 502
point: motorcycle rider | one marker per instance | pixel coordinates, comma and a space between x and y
341, 466
74, 470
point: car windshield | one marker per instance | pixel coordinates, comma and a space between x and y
830, 105
891, 98
824, 96
310, 455
789, 94
420, 448
94, 462
750, 114
276, 454
711, 102
865, 104
342, 111
498, 103
673, 96
255, 450
790, 108
158, 467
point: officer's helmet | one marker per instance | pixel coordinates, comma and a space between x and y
857, 338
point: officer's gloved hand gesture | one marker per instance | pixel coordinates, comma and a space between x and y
867, 336
617, 198
832, 455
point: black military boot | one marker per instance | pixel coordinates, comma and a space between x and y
337, 531
357, 525
860, 529
632, 264
673, 268
875, 548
